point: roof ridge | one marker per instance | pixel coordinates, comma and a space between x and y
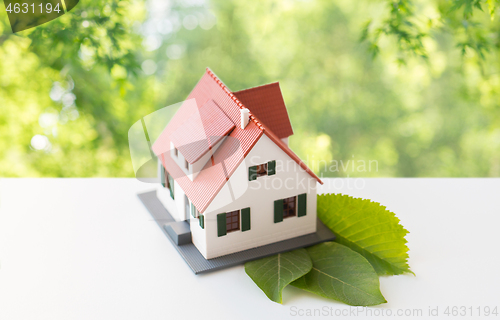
265, 130
233, 97
258, 87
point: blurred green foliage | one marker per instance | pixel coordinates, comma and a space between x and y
412, 85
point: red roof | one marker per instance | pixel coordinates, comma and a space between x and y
201, 131
202, 190
267, 104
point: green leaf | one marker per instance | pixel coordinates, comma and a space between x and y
274, 273
341, 274
367, 228
491, 8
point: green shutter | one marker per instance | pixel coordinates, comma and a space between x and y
193, 210
171, 185
271, 168
278, 210
221, 224
245, 219
252, 173
302, 205
202, 221
162, 175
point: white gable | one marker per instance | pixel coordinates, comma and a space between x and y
259, 195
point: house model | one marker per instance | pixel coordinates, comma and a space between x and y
226, 169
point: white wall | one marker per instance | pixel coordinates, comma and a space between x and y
259, 195
175, 207
181, 161
198, 235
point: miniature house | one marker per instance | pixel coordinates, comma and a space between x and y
227, 170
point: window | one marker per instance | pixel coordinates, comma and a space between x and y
186, 164
289, 206
163, 177
176, 152
170, 180
230, 221
265, 169
194, 212
261, 170
233, 221
167, 181
202, 221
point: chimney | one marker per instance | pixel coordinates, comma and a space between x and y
245, 113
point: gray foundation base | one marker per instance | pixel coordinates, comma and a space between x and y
199, 264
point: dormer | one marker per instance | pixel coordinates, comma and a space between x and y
195, 141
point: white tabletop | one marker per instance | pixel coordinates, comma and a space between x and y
88, 249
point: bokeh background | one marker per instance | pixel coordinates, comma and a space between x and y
413, 85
